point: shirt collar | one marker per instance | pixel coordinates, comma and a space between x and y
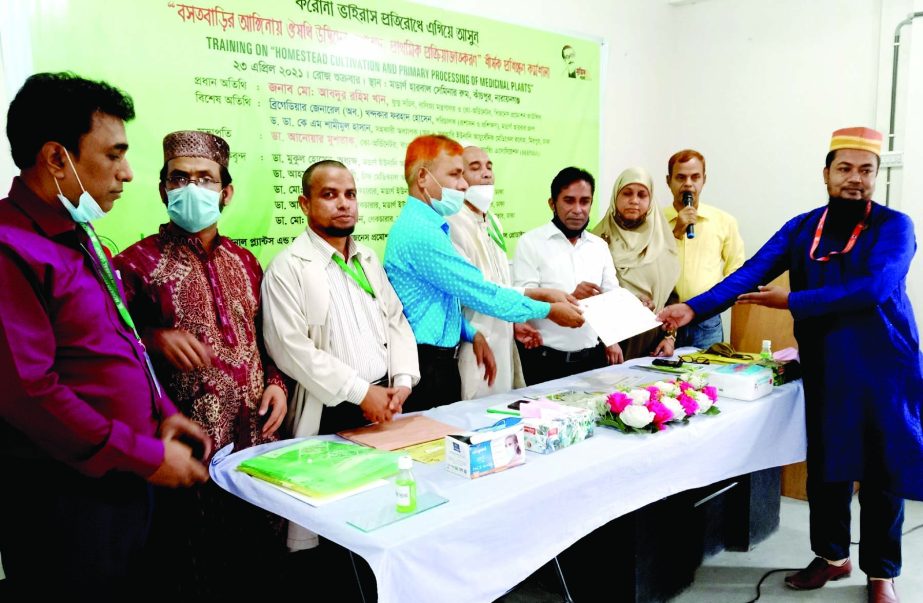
326, 250
172, 233
424, 211
51, 218
704, 211
551, 231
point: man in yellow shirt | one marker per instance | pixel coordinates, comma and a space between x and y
707, 239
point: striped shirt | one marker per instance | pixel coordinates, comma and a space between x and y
358, 334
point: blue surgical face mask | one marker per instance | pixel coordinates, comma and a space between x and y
87, 208
451, 200
193, 208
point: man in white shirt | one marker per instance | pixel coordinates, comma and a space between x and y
562, 255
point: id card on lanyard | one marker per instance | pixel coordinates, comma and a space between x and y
113, 290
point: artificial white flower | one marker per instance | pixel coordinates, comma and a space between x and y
696, 380
704, 401
636, 416
639, 397
668, 389
675, 407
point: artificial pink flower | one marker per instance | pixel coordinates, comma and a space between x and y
689, 404
654, 392
684, 385
618, 401
662, 414
711, 391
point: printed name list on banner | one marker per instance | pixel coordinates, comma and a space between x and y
299, 81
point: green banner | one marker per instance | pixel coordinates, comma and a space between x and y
291, 82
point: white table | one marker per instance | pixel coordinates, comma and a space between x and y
497, 530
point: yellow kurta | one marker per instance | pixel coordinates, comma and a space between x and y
469, 233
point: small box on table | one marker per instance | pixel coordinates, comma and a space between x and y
741, 381
558, 428
487, 449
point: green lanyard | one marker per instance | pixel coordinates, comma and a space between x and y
112, 288
493, 229
109, 279
357, 273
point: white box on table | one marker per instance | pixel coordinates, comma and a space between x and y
741, 381
486, 450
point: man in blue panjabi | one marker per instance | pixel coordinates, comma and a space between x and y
859, 348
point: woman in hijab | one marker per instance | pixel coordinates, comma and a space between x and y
644, 253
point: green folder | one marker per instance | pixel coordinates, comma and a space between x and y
322, 468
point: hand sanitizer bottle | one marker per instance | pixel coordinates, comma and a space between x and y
766, 352
406, 486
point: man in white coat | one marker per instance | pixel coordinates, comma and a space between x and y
333, 323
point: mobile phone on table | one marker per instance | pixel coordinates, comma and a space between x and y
667, 362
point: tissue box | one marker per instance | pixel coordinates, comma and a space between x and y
486, 450
741, 381
558, 429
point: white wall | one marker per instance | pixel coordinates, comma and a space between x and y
909, 179
756, 85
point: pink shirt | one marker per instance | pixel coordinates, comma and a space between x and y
75, 382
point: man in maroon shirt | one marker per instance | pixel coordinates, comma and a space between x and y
195, 297
85, 428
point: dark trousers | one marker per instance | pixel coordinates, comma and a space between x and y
65, 534
545, 364
208, 544
345, 415
440, 382
880, 521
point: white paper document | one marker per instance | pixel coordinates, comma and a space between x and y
617, 315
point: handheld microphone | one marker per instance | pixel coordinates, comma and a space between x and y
687, 201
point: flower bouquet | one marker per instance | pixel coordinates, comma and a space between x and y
651, 409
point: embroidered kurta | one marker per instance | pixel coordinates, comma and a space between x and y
171, 281
858, 342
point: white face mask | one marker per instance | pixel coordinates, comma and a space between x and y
451, 200
87, 208
480, 196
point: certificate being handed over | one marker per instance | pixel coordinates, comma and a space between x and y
617, 315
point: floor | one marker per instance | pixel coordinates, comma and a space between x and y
731, 577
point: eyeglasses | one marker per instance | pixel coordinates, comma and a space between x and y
206, 181
695, 359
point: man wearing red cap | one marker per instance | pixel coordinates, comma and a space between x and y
859, 347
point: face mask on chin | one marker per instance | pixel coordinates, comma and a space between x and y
87, 208
193, 208
480, 196
451, 200
568, 232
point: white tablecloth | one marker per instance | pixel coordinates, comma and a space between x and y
496, 530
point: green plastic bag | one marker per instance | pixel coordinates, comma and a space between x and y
322, 468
